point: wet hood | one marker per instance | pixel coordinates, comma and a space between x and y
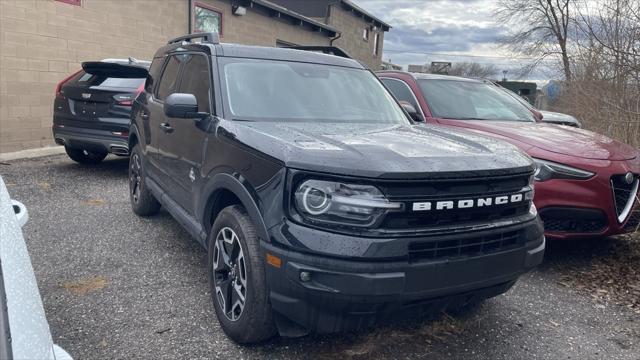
381, 150
558, 139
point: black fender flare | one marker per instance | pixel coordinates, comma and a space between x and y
133, 131
225, 181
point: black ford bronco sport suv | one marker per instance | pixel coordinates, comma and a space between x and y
322, 206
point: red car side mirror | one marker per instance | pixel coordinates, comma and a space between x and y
537, 114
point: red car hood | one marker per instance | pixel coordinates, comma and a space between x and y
558, 139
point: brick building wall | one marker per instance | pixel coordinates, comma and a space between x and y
352, 27
42, 41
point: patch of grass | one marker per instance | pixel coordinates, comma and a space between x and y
85, 286
96, 201
381, 342
612, 276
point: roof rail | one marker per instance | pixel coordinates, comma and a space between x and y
211, 37
329, 50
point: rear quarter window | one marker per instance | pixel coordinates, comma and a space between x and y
154, 74
169, 79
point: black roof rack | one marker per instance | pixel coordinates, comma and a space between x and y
212, 38
330, 50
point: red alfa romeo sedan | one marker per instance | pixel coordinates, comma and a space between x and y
586, 183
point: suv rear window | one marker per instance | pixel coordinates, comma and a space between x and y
91, 80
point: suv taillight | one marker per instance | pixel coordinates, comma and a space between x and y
63, 81
139, 90
127, 99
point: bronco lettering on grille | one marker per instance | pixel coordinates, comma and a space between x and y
468, 203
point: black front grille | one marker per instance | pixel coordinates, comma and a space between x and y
453, 190
445, 218
446, 188
622, 192
464, 247
573, 220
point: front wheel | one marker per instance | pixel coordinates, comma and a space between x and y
143, 202
83, 156
237, 278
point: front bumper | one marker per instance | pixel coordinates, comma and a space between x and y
585, 208
345, 294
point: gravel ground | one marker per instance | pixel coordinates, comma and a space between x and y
118, 286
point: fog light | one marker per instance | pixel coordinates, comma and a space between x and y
305, 276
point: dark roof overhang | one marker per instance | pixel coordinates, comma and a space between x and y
288, 15
348, 5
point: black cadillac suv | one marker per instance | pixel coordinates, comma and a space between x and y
322, 206
92, 108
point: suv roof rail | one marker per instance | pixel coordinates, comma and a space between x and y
329, 50
211, 37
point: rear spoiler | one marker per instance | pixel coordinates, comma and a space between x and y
111, 69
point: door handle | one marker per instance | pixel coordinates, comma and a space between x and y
144, 116
166, 128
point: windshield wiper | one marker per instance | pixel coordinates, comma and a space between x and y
465, 118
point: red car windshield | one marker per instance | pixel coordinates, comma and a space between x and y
471, 100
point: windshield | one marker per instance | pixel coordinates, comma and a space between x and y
266, 90
470, 100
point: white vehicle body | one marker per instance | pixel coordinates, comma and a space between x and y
24, 330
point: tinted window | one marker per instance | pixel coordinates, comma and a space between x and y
154, 74
401, 91
471, 100
292, 91
195, 80
90, 80
169, 78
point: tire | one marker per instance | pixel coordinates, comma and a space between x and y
85, 156
236, 270
142, 200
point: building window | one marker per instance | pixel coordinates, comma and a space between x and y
376, 44
72, 2
365, 34
206, 19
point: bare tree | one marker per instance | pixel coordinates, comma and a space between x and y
605, 91
473, 69
539, 28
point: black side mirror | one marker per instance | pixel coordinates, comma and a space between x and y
415, 115
179, 105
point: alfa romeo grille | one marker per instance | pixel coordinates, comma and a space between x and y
624, 195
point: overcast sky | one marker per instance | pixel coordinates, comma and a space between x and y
440, 30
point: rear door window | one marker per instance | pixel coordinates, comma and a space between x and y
169, 78
195, 80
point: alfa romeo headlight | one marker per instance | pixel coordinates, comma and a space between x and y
337, 203
547, 170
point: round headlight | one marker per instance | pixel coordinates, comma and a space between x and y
315, 201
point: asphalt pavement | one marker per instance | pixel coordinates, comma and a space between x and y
117, 286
